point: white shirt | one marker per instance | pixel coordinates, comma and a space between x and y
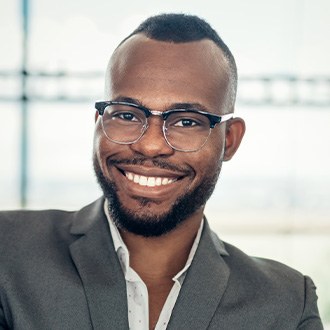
137, 292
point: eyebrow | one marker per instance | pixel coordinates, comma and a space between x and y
185, 105
128, 100
190, 106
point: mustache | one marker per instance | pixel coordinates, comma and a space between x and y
147, 161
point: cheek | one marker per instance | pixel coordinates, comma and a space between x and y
104, 148
101, 147
214, 152
97, 141
215, 145
208, 160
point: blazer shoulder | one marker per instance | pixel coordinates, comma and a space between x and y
272, 283
256, 266
35, 221
28, 230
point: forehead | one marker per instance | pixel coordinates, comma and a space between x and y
159, 73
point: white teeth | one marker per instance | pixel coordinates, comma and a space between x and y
165, 181
143, 180
136, 178
151, 182
148, 181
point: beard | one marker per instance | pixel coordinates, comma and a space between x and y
149, 224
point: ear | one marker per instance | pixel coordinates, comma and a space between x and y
235, 129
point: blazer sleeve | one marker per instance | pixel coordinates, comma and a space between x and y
310, 319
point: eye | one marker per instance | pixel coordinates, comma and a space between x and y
184, 119
125, 116
186, 122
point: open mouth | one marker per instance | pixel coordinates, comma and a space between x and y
151, 177
149, 181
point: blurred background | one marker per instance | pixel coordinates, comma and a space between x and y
273, 198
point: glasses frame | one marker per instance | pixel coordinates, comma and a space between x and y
100, 106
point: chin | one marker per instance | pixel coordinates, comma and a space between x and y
143, 220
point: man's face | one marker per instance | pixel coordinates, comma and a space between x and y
161, 76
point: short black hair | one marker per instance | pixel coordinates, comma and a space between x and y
178, 28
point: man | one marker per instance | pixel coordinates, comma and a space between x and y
143, 257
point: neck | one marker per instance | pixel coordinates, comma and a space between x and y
156, 258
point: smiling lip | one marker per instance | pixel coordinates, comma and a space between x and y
150, 176
149, 181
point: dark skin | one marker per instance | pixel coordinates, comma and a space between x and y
162, 264
160, 75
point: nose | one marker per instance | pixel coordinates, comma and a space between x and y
152, 143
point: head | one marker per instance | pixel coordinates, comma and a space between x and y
170, 61
179, 29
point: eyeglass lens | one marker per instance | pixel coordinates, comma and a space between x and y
186, 131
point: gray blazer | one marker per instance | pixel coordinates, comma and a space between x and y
59, 270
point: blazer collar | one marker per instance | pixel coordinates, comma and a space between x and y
85, 218
204, 285
98, 266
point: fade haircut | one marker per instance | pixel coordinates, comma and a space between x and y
179, 28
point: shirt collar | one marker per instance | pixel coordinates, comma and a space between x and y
123, 253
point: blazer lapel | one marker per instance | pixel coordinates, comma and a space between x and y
99, 269
204, 285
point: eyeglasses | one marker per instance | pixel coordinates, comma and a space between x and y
184, 129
